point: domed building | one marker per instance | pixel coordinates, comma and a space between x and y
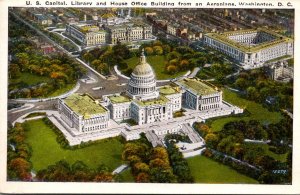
143, 101
142, 84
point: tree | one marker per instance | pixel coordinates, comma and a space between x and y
157, 162
252, 93
159, 152
203, 128
13, 71
140, 167
184, 64
148, 51
103, 177
158, 50
264, 93
174, 62
266, 162
184, 49
171, 69
226, 144
79, 166
134, 159
96, 63
157, 43
238, 151
21, 167
172, 55
160, 175
211, 140
134, 149
142, 178
88, 57
241, 83
23, 60
166, 49
100, 67
121, 50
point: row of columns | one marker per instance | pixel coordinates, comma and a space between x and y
210, 100
160, 110
206, 107
95, 120
135, 90
92, 128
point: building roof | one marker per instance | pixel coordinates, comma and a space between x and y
169, 90
198, 86
143, 68
83, 104
161, 100
108, 15
224, 38
115, 99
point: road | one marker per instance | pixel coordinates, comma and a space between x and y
13, 115
194, 72
64, 37
109, 86
41, 34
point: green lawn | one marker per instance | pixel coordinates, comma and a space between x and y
30, 79
257, 111
46, 151
127, 176
205, 170
158, 65
63, 90
265, 147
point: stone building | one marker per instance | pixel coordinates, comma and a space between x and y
142, 101
87, 34
172, 28
200, 95
154, 109
82, 113
145, 103
129, 32
251, 48
281, 72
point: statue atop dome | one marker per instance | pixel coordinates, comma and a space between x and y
143, 68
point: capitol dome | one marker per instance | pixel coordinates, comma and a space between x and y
142, 82
143, 68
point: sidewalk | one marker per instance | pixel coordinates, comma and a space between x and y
32, 100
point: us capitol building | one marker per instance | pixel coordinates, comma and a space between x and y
145, 104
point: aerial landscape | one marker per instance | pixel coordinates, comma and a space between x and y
140, 95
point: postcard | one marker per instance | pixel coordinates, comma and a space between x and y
149, 96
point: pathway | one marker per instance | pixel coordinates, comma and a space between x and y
60, 34
120, 169
288, 113
22, 108
90, 68
194, 73
32, 100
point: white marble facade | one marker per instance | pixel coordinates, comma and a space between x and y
251, 47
